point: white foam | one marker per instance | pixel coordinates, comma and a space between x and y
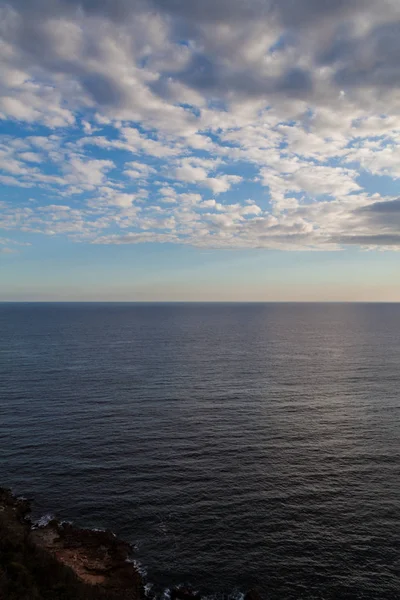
138, 566
236, 595
44, 520
166, 595
147, 589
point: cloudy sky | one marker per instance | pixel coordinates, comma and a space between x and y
200, 149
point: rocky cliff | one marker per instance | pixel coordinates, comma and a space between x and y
60, 561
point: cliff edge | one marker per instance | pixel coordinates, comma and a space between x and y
60, 561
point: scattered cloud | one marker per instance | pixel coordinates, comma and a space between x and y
216, 123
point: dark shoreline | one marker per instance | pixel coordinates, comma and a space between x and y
61, 562
58, 561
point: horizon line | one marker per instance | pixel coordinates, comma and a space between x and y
199, 301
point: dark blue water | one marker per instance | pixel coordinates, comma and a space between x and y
236, 445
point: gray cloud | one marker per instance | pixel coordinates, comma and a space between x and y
216, 79
371, 60
380, 239
382, 216
387, 207
104, 89
376, 224
296, 81
222, 63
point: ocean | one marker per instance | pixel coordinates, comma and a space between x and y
236, 445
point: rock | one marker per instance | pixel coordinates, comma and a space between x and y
252, 594
64, 562
60, 560
96, 557
183, 593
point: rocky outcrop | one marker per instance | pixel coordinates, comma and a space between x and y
60, 560
183, 593
252, 594
97, 558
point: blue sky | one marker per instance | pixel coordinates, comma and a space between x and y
159, 150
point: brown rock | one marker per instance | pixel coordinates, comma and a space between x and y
252, 594
86, 563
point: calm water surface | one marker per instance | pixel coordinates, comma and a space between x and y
237, 445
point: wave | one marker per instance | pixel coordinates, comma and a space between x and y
43, 521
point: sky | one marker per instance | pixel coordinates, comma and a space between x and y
202, 150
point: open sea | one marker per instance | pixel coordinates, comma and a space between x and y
237, 445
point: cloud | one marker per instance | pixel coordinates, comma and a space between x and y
138, 170
164, 117
87, 172
9, 246
136, 238
391, 208
196, 171
379, 224
127, 57
370, 241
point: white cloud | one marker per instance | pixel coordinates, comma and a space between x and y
196, 171
223, 183
30, 157
190, 173
88, 173
154, 106
137, 170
